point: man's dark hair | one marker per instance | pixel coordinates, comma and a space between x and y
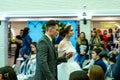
97, 50
51, 23
112, 57
25, 31
8, 73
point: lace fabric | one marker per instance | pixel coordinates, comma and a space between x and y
66, 46
64, 69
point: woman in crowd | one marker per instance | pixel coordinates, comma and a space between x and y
82, 48
95, 39
7, 73
100, 33
64, 69
27, 68
95, 72
105, 38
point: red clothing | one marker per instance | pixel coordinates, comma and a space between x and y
105, 39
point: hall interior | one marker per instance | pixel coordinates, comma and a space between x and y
15, 24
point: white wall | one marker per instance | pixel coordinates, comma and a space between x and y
39, 6
32, 5
17, 26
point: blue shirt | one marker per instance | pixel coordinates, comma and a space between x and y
101, 64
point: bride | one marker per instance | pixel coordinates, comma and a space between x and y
64, 69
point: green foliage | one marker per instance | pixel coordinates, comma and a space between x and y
60, 26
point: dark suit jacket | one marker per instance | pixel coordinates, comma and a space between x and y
116, 68
47, 60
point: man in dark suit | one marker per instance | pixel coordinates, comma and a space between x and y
47, 56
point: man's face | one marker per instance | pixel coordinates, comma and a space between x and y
94, 55
54, 31
21, 33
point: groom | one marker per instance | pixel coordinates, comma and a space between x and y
47, 56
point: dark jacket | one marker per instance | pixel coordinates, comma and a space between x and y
116, 69
47, 60
101, 64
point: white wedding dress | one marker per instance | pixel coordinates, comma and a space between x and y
64, 69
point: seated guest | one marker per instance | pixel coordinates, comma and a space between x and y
97, 58
78, 75
7, 73
111, 60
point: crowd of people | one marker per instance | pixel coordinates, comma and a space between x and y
94, 59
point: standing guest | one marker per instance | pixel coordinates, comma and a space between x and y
95, 39
47, 56
26, 42
78, 75
105, 38
117, 33
117, 44
100, 33
64, 69
110, 39
18, 41
95, 72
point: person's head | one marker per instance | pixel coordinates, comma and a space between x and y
21, 32
78, 75
67, 31
82, 35
111, 58
95, 53
7, 73
52, 28
99, 31
33, 47
25, 31
94, 33
103, 54
94, 28
95, 72
104, 32
110, 30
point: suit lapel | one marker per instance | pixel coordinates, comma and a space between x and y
51, 44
